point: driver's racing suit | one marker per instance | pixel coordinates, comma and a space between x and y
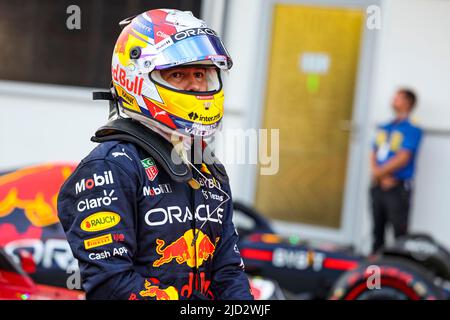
131, 227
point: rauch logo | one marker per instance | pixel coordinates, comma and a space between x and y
100, 221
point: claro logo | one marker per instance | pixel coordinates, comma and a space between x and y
100, 221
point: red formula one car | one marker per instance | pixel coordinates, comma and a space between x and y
35, 258
36, 261
16, 284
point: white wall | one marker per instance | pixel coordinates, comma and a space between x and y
40, 123
413, 49
432, 195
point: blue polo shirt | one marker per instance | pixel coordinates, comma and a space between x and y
393, 137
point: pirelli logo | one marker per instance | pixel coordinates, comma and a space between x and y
98, 241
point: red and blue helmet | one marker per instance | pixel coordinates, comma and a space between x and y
161, 39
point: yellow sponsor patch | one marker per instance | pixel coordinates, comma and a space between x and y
100, 221
396, 140
98, 241
128, 101
381, 137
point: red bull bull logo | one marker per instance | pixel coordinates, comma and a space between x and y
153, 290
35, 191
183, 251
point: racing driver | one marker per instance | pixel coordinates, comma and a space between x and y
148, 213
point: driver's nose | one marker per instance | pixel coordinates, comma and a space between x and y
193, 84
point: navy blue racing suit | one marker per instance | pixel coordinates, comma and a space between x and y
132, 229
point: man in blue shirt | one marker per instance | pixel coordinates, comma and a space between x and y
393, 162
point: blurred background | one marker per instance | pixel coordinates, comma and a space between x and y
323, 72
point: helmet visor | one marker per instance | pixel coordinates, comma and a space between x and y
194, 48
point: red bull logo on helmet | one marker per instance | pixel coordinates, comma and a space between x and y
132, 86
182, 250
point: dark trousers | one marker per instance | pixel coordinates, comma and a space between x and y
390, 207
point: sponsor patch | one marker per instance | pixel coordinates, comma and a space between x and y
100, 221
210, 195
119, 237
121, 154
195, 116
155, 191
209, 183
107, 254
174, 214
192, 33
154, 291
182, 250
97, 180
97, 241
105, 200
150, 168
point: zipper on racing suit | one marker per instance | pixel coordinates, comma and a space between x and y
196, 290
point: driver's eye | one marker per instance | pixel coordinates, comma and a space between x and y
176, 75
199, 75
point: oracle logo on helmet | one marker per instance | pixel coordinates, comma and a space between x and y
193, 32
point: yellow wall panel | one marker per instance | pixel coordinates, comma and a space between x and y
310, 88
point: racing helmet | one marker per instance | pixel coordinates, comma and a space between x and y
160, 39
